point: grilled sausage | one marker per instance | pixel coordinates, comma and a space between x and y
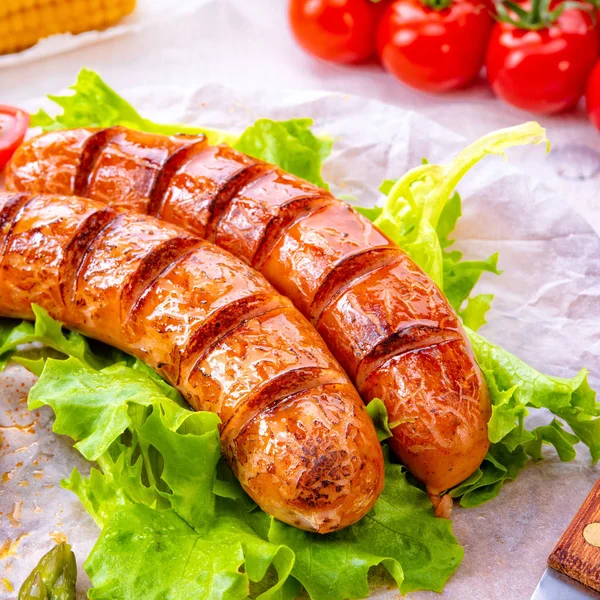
293, 428
384, 320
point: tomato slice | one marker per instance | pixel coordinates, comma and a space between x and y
13, 127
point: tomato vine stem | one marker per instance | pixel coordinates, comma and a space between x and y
539, 16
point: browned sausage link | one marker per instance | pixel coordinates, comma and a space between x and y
294, 430
381, 316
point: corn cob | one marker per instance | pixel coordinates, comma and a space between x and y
24, 22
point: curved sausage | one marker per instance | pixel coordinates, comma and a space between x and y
386, 322
293, 428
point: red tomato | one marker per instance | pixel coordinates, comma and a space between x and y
592, 96
13, 126
435, 50
543, 70
341, 31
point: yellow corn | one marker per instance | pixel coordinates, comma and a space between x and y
24, 22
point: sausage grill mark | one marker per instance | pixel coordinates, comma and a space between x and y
288, 215
347, 272
89, 153
229, 189
281, 389
411, 339
78, 249
170, 167
91, 237
225, 321
158, 262
8, 216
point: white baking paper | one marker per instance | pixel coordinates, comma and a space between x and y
547, 310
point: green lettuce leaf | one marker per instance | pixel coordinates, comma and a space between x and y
206, 564
162, 496
420, 213
288, 144
474, 313
48, 332
138, 432
515, 389
183, 563
95, 104
459, 276
7, 327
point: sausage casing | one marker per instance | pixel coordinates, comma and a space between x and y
293, 428
386, 322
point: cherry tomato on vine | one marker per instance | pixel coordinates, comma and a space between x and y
13, 127
592, 96
434, 45
341, 31
541, 58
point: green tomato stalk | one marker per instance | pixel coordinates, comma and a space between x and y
539, 16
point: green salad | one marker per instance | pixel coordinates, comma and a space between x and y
174, 522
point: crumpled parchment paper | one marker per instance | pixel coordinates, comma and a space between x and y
547, 311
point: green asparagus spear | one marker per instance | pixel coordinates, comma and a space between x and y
54, 578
